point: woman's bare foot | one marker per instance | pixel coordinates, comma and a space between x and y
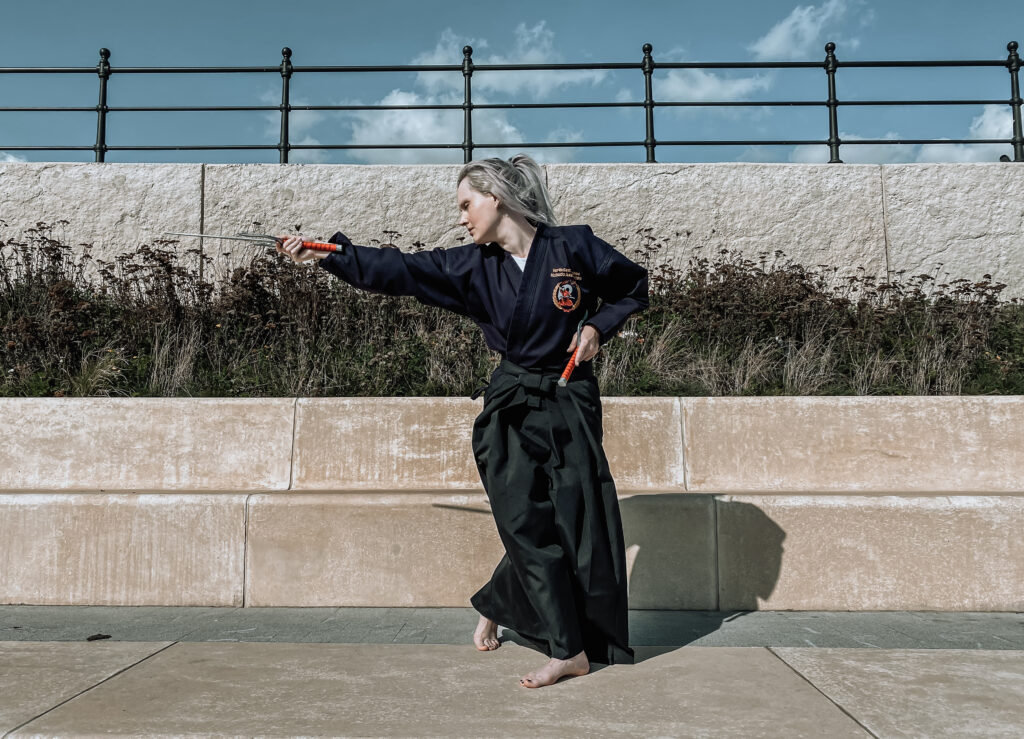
486, 635
556, 668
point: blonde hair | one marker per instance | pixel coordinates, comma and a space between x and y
518, 184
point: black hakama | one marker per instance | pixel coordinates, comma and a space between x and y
562, 581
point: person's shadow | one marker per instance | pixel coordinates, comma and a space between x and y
686, 554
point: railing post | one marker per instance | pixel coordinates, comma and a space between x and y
1013, 61
103, 70
467, 105
286, 74
648, 67
833, 104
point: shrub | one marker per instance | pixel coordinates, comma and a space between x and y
148, 325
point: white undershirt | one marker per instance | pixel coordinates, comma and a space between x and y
521, 261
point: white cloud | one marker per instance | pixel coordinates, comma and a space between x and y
542, 155
426, 127
675, 54
698, 85
857, 154
531, 45
10, 158
444, 126
800, 33
553, 155
448, 50
994, 122
307, 156
407, 127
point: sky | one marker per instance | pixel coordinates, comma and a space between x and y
142, 33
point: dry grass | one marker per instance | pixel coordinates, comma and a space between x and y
149, 326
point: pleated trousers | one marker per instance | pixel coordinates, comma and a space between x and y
561, 583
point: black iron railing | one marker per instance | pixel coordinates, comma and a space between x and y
647, 66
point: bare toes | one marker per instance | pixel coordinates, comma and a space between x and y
485, 642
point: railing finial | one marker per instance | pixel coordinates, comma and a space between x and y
831, 64
284, 146
103, 70
467, 105
1013, 63
648, 69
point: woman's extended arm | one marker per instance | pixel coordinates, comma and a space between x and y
436, 277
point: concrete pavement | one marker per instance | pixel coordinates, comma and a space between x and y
413, 672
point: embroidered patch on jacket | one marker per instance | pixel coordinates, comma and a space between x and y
566, 296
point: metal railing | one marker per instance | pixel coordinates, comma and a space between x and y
647, 66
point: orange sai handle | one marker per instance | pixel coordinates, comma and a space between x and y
320, 246
568, 368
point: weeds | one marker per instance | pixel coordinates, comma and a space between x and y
145, 325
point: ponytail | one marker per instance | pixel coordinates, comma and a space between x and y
518, 184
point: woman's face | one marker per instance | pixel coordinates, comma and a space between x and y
478, 213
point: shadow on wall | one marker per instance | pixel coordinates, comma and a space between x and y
687, 551
694, 552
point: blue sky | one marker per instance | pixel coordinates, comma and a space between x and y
212, 32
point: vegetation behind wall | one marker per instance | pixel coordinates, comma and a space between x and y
149, 326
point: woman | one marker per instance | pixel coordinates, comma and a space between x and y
534, 288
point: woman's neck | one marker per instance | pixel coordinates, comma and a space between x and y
515, 235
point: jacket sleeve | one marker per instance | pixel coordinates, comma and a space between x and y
436, 277
621, 285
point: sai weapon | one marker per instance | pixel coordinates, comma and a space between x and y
564, 379
264, 240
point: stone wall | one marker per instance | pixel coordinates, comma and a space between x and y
949, 220
847, 503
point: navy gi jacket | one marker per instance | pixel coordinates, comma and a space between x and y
529, 316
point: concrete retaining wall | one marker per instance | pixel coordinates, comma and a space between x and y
950, 220
728, 503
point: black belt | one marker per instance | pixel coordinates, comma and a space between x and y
538, 382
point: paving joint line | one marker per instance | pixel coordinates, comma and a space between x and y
91, 687
827, 697
715, 500
245, 547
291, 456
404, 624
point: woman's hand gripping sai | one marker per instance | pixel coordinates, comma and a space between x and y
291, 246
590, 344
